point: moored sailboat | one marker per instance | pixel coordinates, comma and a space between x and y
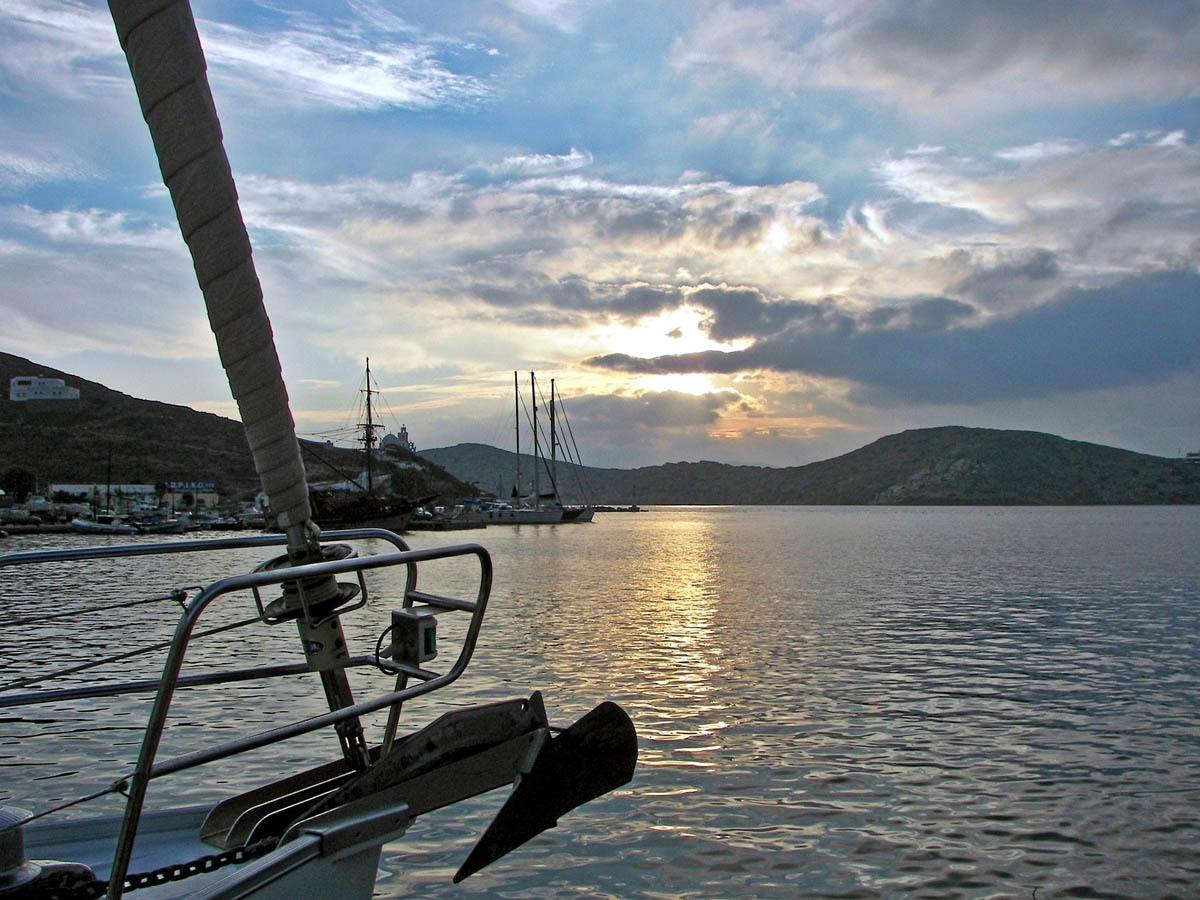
537, 507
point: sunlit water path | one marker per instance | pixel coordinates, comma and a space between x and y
831, 702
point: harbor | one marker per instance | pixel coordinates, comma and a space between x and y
831, 702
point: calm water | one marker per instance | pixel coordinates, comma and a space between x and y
831, 702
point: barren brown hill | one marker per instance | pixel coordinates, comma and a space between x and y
152, 442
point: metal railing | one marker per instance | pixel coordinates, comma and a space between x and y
148, 767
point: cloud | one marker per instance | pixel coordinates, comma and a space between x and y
55, 47
520, 243
91, 228
948, 58
344, 66
563, 15
1069, 203
628, 302
952, 52
1040, 150
370, 61
540, 164
21, 169
653, 409
1014, 279
745, 312
1137, 331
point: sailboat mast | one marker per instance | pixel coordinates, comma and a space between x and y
553, 445
537, 450
517, 427
369, 433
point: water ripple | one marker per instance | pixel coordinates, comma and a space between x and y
831, 702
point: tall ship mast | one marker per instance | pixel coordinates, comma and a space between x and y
368, 434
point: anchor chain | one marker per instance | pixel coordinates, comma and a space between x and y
72, 886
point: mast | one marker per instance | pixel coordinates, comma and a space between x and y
553, 446
517, 427
369, 432
168, 68
537, 452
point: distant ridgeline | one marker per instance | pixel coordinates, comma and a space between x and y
70, 440
951, 465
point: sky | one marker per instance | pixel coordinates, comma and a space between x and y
753, 232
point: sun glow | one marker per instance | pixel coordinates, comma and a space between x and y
670, 332
692, 383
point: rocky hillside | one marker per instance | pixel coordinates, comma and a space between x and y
151, 442
951, 465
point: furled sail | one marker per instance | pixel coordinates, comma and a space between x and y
160, 41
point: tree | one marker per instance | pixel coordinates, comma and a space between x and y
19, 482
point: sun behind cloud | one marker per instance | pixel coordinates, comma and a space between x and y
692, 383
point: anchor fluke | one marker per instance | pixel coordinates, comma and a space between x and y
594, 756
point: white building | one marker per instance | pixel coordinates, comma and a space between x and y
402, 440
32, 387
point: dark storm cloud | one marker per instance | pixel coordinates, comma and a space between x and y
939, 47
938, 314
1134, 332
654, 409
1009, 277
745, 312
575, 294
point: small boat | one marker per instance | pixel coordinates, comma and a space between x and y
103, 523
316, 831
161, 526
161, 521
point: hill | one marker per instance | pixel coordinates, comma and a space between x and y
152, 442
950, 465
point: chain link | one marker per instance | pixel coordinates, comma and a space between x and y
73, 886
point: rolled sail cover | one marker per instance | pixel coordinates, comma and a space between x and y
163, 49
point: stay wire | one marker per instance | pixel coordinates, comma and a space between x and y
178, 595
577, 460
120, 786
152, 648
